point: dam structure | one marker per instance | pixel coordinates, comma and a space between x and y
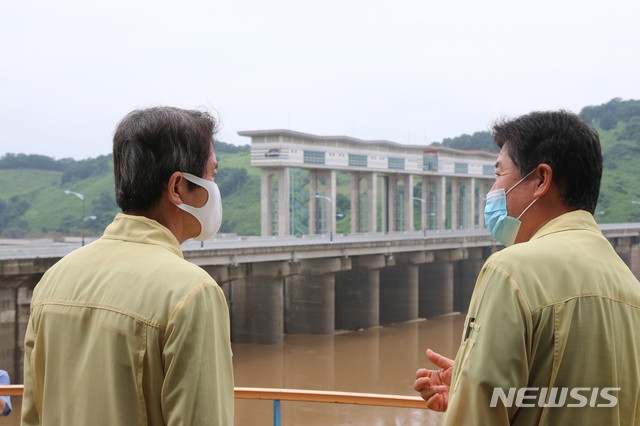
300, 276
394, 168
304, 285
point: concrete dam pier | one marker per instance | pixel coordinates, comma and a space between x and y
311, 285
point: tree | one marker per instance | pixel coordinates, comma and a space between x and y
608, 120
478, 141
632, 130
230, 180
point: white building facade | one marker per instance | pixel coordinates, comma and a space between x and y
454, 182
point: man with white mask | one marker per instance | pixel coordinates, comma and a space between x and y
552, 334
125, 331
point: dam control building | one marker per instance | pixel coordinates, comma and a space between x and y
388, 179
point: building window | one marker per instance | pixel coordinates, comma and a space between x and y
314, 157
396, 163
430, 164
488, 170
461, 168
357, 160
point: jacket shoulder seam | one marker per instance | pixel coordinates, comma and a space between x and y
584, 295
102, 306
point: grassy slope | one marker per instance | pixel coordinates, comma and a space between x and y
50, 205
241, 209
20, 181
621, 178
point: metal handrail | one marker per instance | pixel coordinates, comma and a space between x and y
300, 395
331, 397
297, 395
11, 390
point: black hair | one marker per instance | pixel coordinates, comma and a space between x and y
563, 141
149, 145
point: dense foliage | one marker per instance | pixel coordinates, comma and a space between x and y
479, 140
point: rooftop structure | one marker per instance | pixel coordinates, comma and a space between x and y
379, 163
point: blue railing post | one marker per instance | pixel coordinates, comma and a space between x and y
276, 412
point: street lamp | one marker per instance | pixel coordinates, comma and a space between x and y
424, 229
331, 220
84, 219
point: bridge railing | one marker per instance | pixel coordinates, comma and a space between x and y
278, 395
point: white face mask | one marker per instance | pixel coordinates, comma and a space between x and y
209, 215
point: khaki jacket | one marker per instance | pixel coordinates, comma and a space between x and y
560, 311
124, 331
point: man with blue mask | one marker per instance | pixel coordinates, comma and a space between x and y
552, 334
125, 331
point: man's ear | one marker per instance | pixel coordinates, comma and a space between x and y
544, 174
175, 187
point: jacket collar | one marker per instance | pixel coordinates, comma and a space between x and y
575, 220
143, 230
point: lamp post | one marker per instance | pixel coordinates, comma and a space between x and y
424, 230
84, 219
331, 217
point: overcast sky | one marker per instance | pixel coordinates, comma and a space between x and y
405, 71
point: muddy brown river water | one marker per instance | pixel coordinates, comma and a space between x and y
378, 360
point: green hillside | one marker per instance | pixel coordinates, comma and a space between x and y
618, 123
33, 202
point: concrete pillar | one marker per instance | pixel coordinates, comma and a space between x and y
426, 196
283, 200
8, 330
455, 202
393, 202
482, 194
385, 204
358, 293
355, 202
435, 289
258, 302
330, 188
399, 287
435, 284
471, 203
310, 296
313, 201
465, 275
15, 301
441, 214
372, 202
330, 191
265, 202
408, 202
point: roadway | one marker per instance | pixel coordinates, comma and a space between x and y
232, 249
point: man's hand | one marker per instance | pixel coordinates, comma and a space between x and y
434, 385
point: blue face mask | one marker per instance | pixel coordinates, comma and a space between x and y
502, 227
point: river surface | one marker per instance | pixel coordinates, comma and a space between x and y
378, 360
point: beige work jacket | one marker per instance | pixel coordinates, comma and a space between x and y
562, 312
124, 331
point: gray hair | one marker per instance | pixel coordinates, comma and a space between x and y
149, 145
